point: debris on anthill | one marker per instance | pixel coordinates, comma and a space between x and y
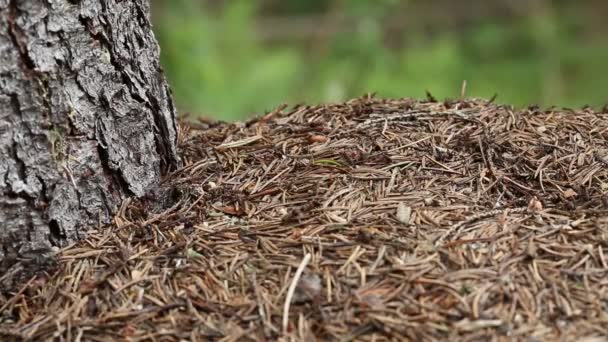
294, 224
404, 213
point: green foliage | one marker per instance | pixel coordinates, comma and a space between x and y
217, 66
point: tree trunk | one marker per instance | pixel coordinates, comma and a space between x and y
86, 118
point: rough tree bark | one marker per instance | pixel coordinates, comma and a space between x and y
86, 118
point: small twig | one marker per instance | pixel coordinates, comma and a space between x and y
600, 158
456, 228
376, 120
292, 289
239, 143
17, 295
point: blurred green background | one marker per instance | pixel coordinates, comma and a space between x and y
235, 58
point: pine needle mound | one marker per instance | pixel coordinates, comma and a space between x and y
370, 220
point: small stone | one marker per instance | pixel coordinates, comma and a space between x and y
317, 139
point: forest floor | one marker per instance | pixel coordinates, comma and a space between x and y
369, 220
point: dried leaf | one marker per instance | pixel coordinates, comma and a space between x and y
191, 253
569, 193
535, 205
309, 287
404, 213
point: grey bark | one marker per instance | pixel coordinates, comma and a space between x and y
86, 119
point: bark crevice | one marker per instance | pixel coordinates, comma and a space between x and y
13, 32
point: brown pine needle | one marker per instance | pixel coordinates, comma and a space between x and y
292, 289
